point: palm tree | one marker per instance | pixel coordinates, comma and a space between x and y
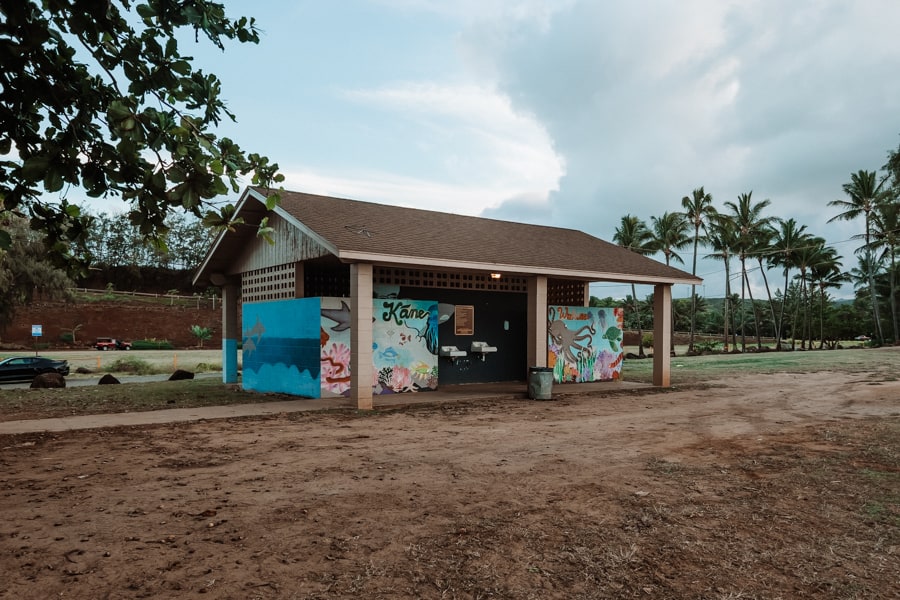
749, 221
789, 237
670, 233
826, 273
634, 235
885, 230
866, 270
721, 237
762, 248
864, 193
698, 209
810, 255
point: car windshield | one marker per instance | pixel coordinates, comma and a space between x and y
25, 360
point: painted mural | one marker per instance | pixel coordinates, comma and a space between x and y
584, 343
302, 346
280, 346
335, 347
405, 345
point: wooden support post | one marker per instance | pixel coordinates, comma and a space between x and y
231, 332
662, 335
537, 322
361, 337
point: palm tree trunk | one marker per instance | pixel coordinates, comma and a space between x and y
797, 327
779, 332
672, 349
637, 314
693, 292
894, 297
877, 321
743, 320
821, 316
879, 336
755, 314
771, 302
806, 324
725, 305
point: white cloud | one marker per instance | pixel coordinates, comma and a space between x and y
390, 188
535, 12
488, 151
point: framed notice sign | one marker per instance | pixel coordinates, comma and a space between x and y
464, 318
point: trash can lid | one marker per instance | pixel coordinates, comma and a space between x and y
540, 369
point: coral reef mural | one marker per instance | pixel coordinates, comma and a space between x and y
584, 343
405, 345
335, 347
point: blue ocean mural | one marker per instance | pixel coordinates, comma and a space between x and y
280, 349
584, 343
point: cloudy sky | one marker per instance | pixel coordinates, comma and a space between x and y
571, 112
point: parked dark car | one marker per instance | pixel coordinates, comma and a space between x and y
26, 368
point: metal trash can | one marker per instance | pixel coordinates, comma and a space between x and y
540, 383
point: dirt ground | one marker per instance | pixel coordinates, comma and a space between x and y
780, 486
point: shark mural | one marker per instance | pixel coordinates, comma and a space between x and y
584, 343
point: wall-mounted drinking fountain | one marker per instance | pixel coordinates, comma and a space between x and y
452, 352
481, 349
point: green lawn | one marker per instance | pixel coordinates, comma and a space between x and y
694, 369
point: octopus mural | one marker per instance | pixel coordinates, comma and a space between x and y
584, 343
573, 343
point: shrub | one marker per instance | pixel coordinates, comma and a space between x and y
706, 346
131, 365
201, 333
152, 345
68, 338
647, 340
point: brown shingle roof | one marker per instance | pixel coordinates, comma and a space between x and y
383, 234
370, 231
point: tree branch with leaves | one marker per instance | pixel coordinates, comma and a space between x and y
95, 97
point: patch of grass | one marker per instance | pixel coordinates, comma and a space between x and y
664, 467
880, 475
18, 404
152, 345
132, 365
885, 511
880, 364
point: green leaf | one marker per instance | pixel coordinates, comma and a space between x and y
35, 168
118, 110
145, 11
265, 232
182, 67
273, 200
53, 181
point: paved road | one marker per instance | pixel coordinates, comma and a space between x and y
97, 362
